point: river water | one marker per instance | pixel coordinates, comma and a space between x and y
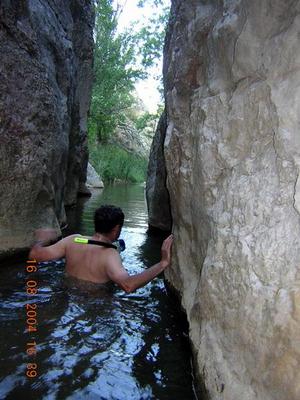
95, 343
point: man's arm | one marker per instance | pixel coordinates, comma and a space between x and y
130, 283
44, 237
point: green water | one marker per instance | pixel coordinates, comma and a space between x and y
96, 343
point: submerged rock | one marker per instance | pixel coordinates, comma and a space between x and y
46, 51
232, 150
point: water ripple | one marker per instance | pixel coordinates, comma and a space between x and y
95, 341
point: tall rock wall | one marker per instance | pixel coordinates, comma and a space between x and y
232, 149
46, 50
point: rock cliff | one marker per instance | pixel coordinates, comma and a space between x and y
232, 150
132, 140
46, 50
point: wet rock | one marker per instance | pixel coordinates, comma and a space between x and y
232, 151
45, 80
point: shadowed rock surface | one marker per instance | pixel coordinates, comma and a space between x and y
46, 50
158, 202
232, 150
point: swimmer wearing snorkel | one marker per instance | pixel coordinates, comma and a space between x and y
96, 259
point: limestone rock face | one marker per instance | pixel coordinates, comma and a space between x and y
157, 195
232, 149
46, 50
132, 140
93, 180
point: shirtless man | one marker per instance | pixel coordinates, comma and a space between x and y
96, 263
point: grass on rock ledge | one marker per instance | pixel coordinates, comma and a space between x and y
116, 164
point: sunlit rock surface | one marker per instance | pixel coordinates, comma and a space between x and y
232, 149
46, 50
93, 180
137, 142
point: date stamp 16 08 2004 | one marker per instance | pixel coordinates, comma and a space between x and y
31, 318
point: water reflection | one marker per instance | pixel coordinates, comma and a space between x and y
95, 341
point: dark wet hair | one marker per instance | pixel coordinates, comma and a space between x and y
107, 217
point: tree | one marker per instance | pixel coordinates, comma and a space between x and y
120, 59
114, 71
151, 37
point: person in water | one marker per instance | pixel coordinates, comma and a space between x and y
98, 263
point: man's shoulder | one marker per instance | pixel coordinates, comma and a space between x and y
70, 238
112, 256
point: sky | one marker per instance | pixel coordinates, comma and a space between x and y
146, 89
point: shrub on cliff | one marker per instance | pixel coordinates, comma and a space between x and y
114, 163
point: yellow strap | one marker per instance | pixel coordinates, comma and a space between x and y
81, 240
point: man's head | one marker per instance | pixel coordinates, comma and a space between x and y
107, 218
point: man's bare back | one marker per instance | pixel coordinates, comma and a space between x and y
94, 263
88, 261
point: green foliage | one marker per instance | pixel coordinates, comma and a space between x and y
114, 71
113, 163
120, 59
143, 121
151, 37
157, 3
147, 119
